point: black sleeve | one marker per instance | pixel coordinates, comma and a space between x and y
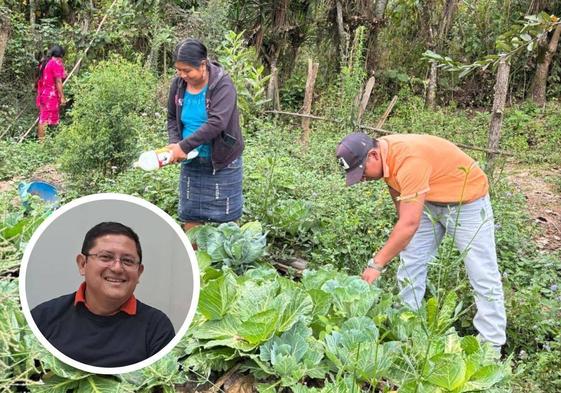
161, 333
173, 127
222, 106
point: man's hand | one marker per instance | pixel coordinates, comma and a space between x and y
370, 275
177, 154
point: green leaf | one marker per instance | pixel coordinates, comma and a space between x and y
292, 342
260, 327
447, 370
321, 302
253, 229
217, 329
255, 297
295, 305
53, 384
218, 296
432, 312
205, 361
98, 384
470, 344
485, 378
61, 369
14, 230
203, 260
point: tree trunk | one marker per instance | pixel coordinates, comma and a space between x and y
343, 36
272, 94
32, 9
373, 47
4, 35
259, 40
501, 89
68, 12
545, 56
437, 41
447, 17
430, 98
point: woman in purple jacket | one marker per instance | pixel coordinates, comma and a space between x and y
203, 116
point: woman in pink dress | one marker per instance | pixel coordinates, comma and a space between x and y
50, 95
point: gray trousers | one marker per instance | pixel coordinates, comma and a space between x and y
472, 227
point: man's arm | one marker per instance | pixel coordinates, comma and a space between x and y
410, 213
395, 195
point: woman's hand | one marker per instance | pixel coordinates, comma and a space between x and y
177, 154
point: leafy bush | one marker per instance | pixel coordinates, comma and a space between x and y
111, 104
238, 60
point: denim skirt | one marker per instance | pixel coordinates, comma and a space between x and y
206, 195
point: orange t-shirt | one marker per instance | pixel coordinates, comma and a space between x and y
417, 164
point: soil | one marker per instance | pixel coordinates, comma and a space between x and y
48, 173
543, 199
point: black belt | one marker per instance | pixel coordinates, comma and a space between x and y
445, 204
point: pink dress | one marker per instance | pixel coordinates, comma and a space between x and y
48, 100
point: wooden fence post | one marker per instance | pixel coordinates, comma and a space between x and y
308, 98
365, 97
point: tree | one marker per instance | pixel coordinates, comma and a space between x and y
546, 51
349, 15
277, 29
4, 35
435, 41
499, 99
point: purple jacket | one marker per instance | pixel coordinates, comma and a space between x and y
222, 129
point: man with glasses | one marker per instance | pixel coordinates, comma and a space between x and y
103, 324
437, 189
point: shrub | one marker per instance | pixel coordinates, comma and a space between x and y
238, 60
112, 104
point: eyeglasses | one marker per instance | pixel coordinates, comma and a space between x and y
108, 259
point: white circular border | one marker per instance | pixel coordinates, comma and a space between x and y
194, 267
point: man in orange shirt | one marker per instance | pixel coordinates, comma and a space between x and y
429, 174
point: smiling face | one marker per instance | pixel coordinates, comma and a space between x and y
109, 284
193, 76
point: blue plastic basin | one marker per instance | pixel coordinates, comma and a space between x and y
43, 190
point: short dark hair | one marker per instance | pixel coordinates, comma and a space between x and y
109, 228
190, 51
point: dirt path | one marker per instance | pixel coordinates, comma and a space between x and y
544, 201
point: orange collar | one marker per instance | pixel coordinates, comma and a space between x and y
128, 307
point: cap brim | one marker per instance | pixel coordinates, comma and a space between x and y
355, 175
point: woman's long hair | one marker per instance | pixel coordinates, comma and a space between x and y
55, 51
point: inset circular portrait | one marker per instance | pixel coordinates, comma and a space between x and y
109, 283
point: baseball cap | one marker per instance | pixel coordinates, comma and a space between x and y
351, 154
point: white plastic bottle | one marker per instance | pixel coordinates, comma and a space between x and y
154, 159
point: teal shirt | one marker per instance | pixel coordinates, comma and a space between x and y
193, 116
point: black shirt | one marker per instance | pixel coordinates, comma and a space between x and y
103, 341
